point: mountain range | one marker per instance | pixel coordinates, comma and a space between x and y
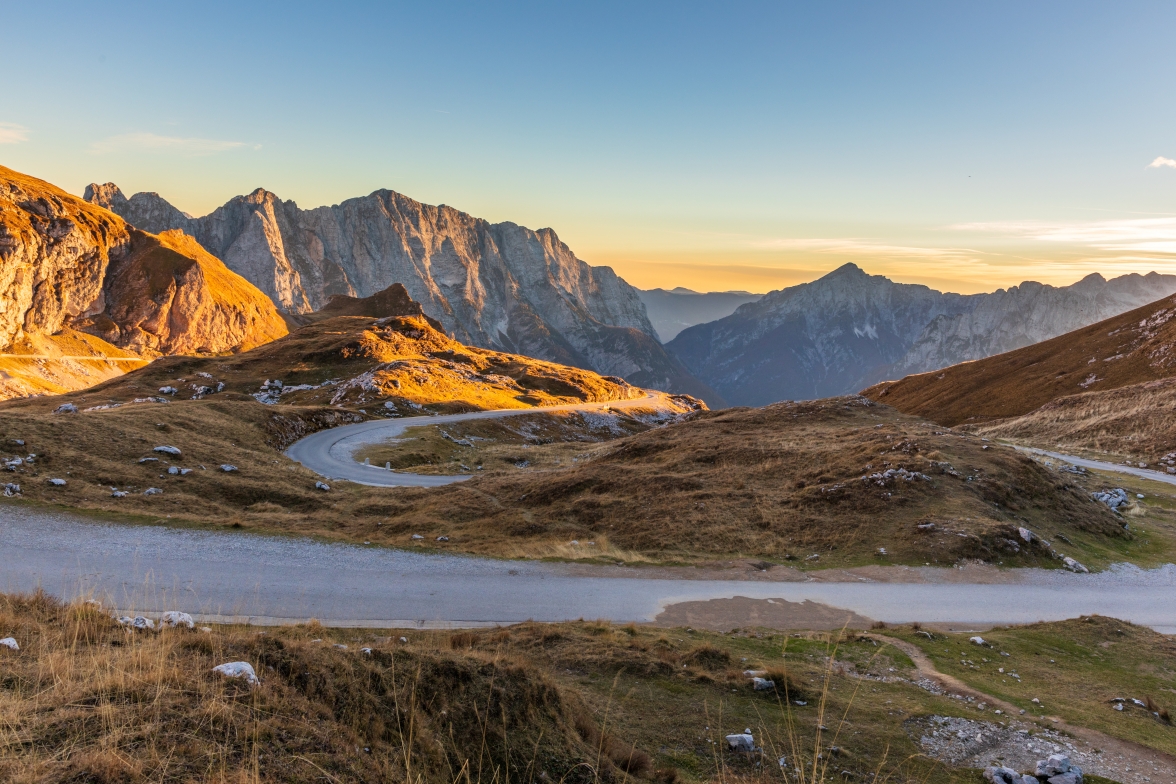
499, 286
672, 311
848, 330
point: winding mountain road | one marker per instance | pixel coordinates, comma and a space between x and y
330, 453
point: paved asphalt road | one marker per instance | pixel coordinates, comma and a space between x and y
329, 452
242, 576
1099, 465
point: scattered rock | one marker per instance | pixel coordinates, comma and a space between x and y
167, 450
417, 536
1074, 566
1058, 770
742, 742
139, 623
1004, 775
238, 669
1115, 498
118, 493
10, 643
173, 619
442, 538
228, 469
322, 486
763, 684
11, 489
977, 641
66, 408
148, 460
168, 390
366, 651
57, 482
152, 491
404, 639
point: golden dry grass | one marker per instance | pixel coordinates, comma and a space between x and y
1134, 422
87, 701
782, 483
1131, 348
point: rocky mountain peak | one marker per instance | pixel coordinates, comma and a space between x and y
499, 286
848, 329
107, 195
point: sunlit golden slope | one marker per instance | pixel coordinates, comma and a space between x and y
1132, 348
68, 267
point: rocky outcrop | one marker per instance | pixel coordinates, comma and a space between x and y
848, 330
499, 286
54, 252
392, 301
67, 265
169, 296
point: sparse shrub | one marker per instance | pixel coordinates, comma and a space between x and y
462, 640
707, 657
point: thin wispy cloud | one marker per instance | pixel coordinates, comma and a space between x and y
11, 133
859, 247
1161, 162
1139, 235
151, 142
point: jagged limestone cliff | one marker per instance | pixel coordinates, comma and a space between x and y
499, 286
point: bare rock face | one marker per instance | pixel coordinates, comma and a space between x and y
67, 264
170, 296
499, 286
54, 252
849, 329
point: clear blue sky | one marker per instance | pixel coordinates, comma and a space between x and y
711, 145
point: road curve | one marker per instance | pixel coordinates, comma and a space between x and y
1099, 465
223, 576
329, 453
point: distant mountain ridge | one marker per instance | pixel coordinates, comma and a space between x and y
499, 286
848, 330
672, 311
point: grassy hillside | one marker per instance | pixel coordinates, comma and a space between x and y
1133, 348
85, 700
1135, 422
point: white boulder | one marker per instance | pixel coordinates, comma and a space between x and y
762, 684
1074, 566
10, 643
741, 741
238, 669
66, 408
57, 482
228, 469
11, 489
152, 491
168, 450
173, 619
322, 486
